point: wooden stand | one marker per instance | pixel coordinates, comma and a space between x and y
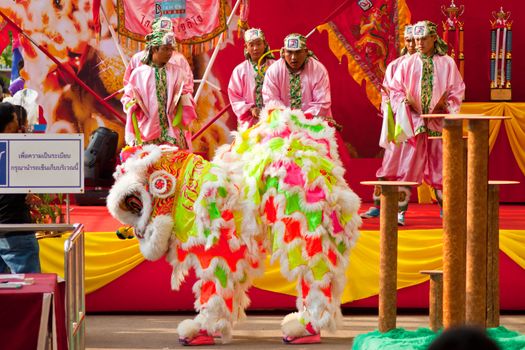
388, 251
477, 173
492, 319
464, 261
435, 300
454, 219
454, 224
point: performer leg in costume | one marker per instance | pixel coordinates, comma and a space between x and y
393, 149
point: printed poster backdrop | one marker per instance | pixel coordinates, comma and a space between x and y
68, 31
195, 21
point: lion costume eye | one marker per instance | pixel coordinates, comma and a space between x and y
162, 184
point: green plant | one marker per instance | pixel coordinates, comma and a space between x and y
47, 208
6, 58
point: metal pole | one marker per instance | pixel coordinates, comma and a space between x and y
331, 15
221, 112
67, 209
114, 36
214, 55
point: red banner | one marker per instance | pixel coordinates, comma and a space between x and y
195, 21
5, 28
369, 35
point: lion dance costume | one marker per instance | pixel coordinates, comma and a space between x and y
277, 189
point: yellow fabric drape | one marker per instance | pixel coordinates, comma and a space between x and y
417, 250
107, 258
515, 126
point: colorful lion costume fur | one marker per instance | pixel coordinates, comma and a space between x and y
277, 189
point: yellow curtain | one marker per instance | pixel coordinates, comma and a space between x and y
516, 131
515, 126
107, 258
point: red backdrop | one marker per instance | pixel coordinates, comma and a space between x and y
350, 104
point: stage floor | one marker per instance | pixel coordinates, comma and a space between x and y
131, 331
418, 216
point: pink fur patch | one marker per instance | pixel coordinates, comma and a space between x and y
294, 175
315, 195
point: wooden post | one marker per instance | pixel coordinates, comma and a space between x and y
492, 319
388, 252
493, 253
435, 300
454, 224
388, 259
477, 182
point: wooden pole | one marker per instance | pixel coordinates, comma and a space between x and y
493, 252
477, 182
435, 300
207, 71
454, 224
388, 258
388, 251
492, 319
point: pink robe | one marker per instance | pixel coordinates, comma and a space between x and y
241, 91
177, 59
142, 87
315, 87
422, 158
393, 152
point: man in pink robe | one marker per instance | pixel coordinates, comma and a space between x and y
245, 86
177, 59
427, 82
157, 108
298, 80
393, 148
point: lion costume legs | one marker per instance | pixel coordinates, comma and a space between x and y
318, 304
218, 308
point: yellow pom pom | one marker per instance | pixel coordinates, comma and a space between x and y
125, 232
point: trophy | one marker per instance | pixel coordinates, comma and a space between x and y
500, 56
453, 33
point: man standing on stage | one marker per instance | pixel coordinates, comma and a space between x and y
298, 80
393, 150
246, 82
426, 82
158, 110
177, 58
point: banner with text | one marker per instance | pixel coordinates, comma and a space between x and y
41, 163
194, 22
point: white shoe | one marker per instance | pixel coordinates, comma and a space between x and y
401, 218
372, 212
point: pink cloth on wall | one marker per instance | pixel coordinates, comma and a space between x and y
241, 90
315, 87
